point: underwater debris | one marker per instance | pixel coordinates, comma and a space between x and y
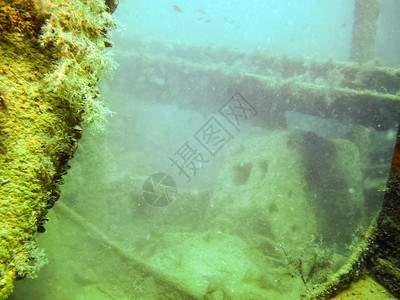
200, 12
177, 8
311, 262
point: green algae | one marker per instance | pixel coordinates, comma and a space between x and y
38, 114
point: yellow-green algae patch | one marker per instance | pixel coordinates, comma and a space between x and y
366, 289
48, 72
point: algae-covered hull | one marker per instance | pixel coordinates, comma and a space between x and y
52, 53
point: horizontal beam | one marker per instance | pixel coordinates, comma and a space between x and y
342, 91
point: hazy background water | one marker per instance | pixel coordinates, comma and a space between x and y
321, 28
